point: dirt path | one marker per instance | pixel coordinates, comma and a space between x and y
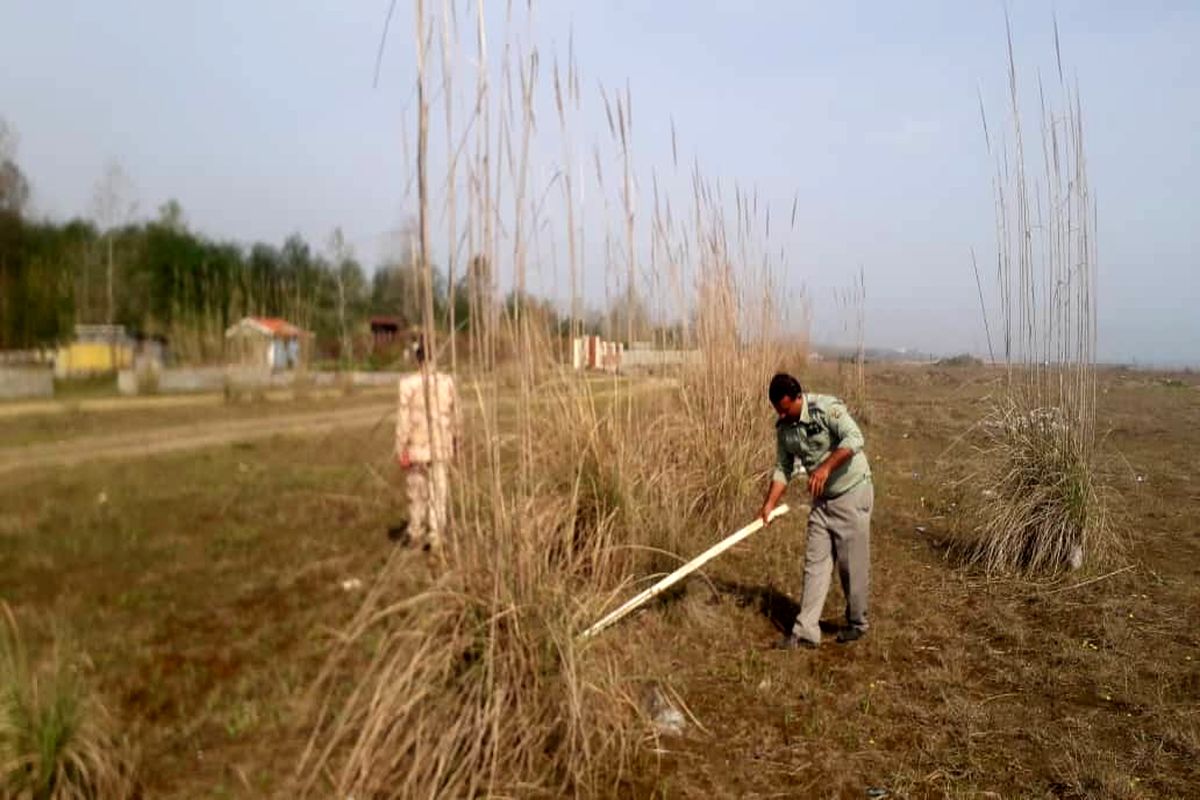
176, 438
159, 439
26, 408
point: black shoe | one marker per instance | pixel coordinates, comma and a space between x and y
794, 642
848, 635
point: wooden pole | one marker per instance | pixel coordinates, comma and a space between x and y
688, 568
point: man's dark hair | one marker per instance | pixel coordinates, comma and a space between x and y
784, 385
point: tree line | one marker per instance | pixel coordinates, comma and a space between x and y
159, 278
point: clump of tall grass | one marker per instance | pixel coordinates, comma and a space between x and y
56, 741
1038, 507
1041, 509
476, 685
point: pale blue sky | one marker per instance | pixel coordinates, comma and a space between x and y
260, 117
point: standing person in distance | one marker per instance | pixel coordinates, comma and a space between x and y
427, 433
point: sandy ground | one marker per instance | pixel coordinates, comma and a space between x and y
198, 589
176, 438
138, 438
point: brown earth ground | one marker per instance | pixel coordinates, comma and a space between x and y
203, 585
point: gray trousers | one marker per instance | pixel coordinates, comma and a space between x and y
839, 530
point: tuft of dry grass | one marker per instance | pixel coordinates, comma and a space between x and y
1041, 509
56, 742
1035, 503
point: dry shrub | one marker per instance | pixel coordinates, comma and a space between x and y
56, 741
1040, 507
476, 685
1035, 504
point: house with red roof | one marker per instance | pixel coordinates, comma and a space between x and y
268, 342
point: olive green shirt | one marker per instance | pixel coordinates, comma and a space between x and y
823, 426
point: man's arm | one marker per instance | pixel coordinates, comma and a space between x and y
785, 465
820, 476
774, 493
403, 423
848, 440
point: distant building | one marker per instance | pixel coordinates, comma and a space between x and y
267, 342
96, 350
592, 352
387, 332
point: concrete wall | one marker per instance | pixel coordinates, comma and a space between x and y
375, 378
193, 379
179, 380
22, 382
656, 359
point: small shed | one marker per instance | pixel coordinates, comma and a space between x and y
387, 331
268, 342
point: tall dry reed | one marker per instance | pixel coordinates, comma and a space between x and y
1038, 506
570, 489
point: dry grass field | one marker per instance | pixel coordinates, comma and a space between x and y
198, 594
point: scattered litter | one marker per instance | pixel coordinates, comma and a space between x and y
1076, 559
667, 719
920, 529
876, 792
916, 476
1141, 479
102, 498
352, 584
989, 492
764, 685
904, 436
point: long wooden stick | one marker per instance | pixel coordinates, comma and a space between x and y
688, 568
1092, 580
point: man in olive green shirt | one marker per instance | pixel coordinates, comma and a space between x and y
819, 431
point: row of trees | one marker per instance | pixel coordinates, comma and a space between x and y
161, 278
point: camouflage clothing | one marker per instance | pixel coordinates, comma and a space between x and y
429, 448
428, 493
426, 443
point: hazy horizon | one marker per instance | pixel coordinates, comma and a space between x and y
263, 120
